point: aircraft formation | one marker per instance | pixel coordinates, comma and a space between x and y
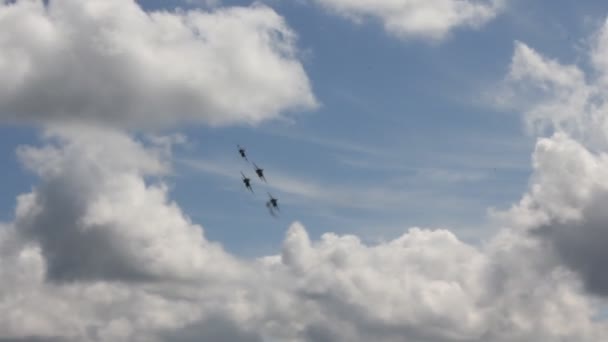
272, 204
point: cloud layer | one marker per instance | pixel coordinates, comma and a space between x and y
428, 19
112, 63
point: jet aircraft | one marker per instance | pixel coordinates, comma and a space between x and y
247, 182
259, 172
272, 205
242, 152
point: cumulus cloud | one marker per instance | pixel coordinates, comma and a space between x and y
98, 253
563, 207
94, 191
577, 225
430, 19
557, 97
112, 63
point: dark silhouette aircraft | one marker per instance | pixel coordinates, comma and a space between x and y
242, 151
272, 205
247, 182
260, 172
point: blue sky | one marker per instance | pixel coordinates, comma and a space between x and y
441, 168
406, 118
404, 129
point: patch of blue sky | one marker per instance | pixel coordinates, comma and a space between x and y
406, 135
402, 138
15, 179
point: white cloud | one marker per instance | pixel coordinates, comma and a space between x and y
430, 19
563, 205
94, 191
99, 253
112, 63
562, 98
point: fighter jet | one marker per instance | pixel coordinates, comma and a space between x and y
247, 182
260, 172
272, 204
242, 152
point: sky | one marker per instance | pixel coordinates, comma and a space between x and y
440, 168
